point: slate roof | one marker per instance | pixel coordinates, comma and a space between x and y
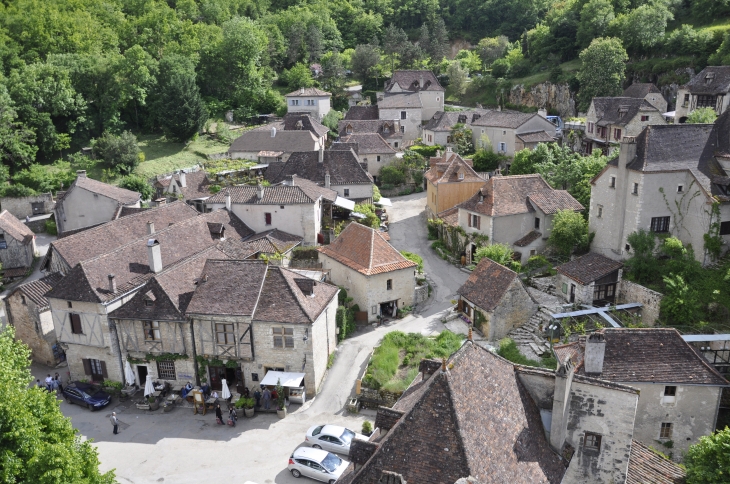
516, 194
619, 110
303, 121
288, 297
708, 172
528, 238
475, 419
401, 100
446, 170
273, 195
196, 185
107, 237
272, 242
362, 113
311, 188
365, 250
640, 90
648, 467
487, 284
308, 92
16, 229
654, 355
369, 143
504, 119
588, 268
719, 83
260, 139
342, 166
536, 137
410, 80
232, 288
343, 145
445, 120
385, 128
125, 211
36, 290
120, 195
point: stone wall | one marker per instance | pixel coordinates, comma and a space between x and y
556, 97
22, 206
630, 292
32, 327
371, 398
420, 294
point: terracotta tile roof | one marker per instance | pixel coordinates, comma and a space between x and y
619, 110
120, 195
409, 100
710, 80
273, 241
273, 195
450, 216
386, 128
369, 143
366, 251
411, 81
536, 137
487, 284
476, 419
447, 168
640, 90
16, 229
574, 351
362, 113
654, 355
588, 268
36, 290
531, 237
308, 92
511, 195
648, 467
342, 166
288, 297
104, 238
232, 288
504, 119
196, 185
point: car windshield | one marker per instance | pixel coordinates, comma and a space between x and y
347, 436
331, 462
317, 430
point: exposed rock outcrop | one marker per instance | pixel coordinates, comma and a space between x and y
556, 97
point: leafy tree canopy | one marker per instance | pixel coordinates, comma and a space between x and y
702, 116
708, 461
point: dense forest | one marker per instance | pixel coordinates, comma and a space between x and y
73, 70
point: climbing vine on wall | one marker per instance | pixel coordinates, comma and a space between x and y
713, 240
682, 207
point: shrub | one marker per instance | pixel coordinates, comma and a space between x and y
708, 460
414, 258
137, 184
367, 427
392, 175
120, 152
509, 351
499, 253
426, 151
376, 194
51, 228
570, 230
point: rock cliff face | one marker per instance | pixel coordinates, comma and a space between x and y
555, 97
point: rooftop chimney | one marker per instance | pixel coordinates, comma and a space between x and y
561, 405
448, 149
542, 112
228, 200
273, 132
80, 173
112, 284
150, 228
289, 180
183, 182
301, 90
327, 180
438, 153
420, 82
321, 154
260, 191
154, 255
595, 351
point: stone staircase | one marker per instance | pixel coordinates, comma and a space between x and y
529, 338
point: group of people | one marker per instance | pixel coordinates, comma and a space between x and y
52, 383
232, 416
265, 397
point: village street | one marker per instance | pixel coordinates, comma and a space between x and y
180, 447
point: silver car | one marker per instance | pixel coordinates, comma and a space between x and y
331, 437
317, 464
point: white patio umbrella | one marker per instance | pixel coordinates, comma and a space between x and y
149, 388
225, 392
129, 374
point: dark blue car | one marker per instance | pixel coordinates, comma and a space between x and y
86, 394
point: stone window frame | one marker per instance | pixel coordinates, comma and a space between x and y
283, 337
151, 330
166, 370
592, 442
680, 188
612, 182
635, 189
666, 430
389, 284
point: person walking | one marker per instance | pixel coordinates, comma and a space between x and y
58, 381
114, 422
49, 383
218, 414
232, 416
267, 399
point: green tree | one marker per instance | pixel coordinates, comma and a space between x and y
38, 444
603, 64
708, 461
569, 231
392, 175
17, 142
364, 60
689, 41
438, 45
179, 108
393, 40
492, 48
457, 77
333, 73
642, 264
298, 76
411, 55
462, 139
371, 219
595, 16
120, 152
46, 178
702, 116
331, 119
680, 304
643, 28
499, 253
137, 184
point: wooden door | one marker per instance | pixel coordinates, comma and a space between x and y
572, 293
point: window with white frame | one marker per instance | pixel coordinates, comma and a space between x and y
503, 147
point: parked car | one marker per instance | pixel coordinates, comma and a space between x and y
332, 438
317, 464
86, 394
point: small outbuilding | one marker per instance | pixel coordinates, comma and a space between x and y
589, 279
17, 242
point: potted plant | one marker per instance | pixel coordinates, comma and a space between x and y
247, 405
154, 404
280, 407
367, 428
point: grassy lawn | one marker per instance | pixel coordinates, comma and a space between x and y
531, 80
509, 351
163, 156
395, 362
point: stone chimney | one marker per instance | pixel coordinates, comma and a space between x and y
542, 112
80, 173
595, 351
183, 182
327, 180
301, 90
154, 255
260, 191
150, 228
561, 405
289, 180
420, 81
273, 132
228, 200
112, 284
438, 153
448, 149
320, 158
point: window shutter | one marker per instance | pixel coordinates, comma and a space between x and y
87, 366
103, 369
469, 218
479, 223
75, 324
461, 305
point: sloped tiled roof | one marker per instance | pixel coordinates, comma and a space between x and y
385, 128
308, 91
710, 80
450, 216
536, 137
619, 110
411, 80
120, 195
640, 90
487, 284
272, 242
273, 195
232, 288
366, 251
260, 139
303, 121
648, 467
504, 119
446, 170
288, 297
574, 351
551, 203
311, 188
342, 166
445, 120
654, 355
528, 238
369, 143
405, 100
362, 113
36, 290
588, 268
196, 185
16, 229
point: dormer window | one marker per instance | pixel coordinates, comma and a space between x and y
386, 128
149, 299
709, 77
348, 129
461, 175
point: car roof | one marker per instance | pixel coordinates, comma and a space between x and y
335, 430
310, 453
80, 385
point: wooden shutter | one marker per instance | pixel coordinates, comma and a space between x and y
103, 369
87, 366
461, 305
479, 223
469, 218
76, 324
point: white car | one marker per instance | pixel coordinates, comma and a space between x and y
317, 464
332, 438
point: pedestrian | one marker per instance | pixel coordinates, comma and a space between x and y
232, 416
257, 397
58, 379
49, 382
39, 384
54, 384
114, 422
218, 414
267, 399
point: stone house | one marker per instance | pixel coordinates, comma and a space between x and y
275, 142
649, 92
664, 168
495, 300
708, 89
450, 180
17, 242
480, 416
423, 82
372, 151
27, 309
438, 129
193, 188
609, 119
88, 202
511, 131
29, 206
591, 279
310, 100
378, 278
274, 244
262, 318
680, 391
338, 170
407, 109
515, 210
389, 130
